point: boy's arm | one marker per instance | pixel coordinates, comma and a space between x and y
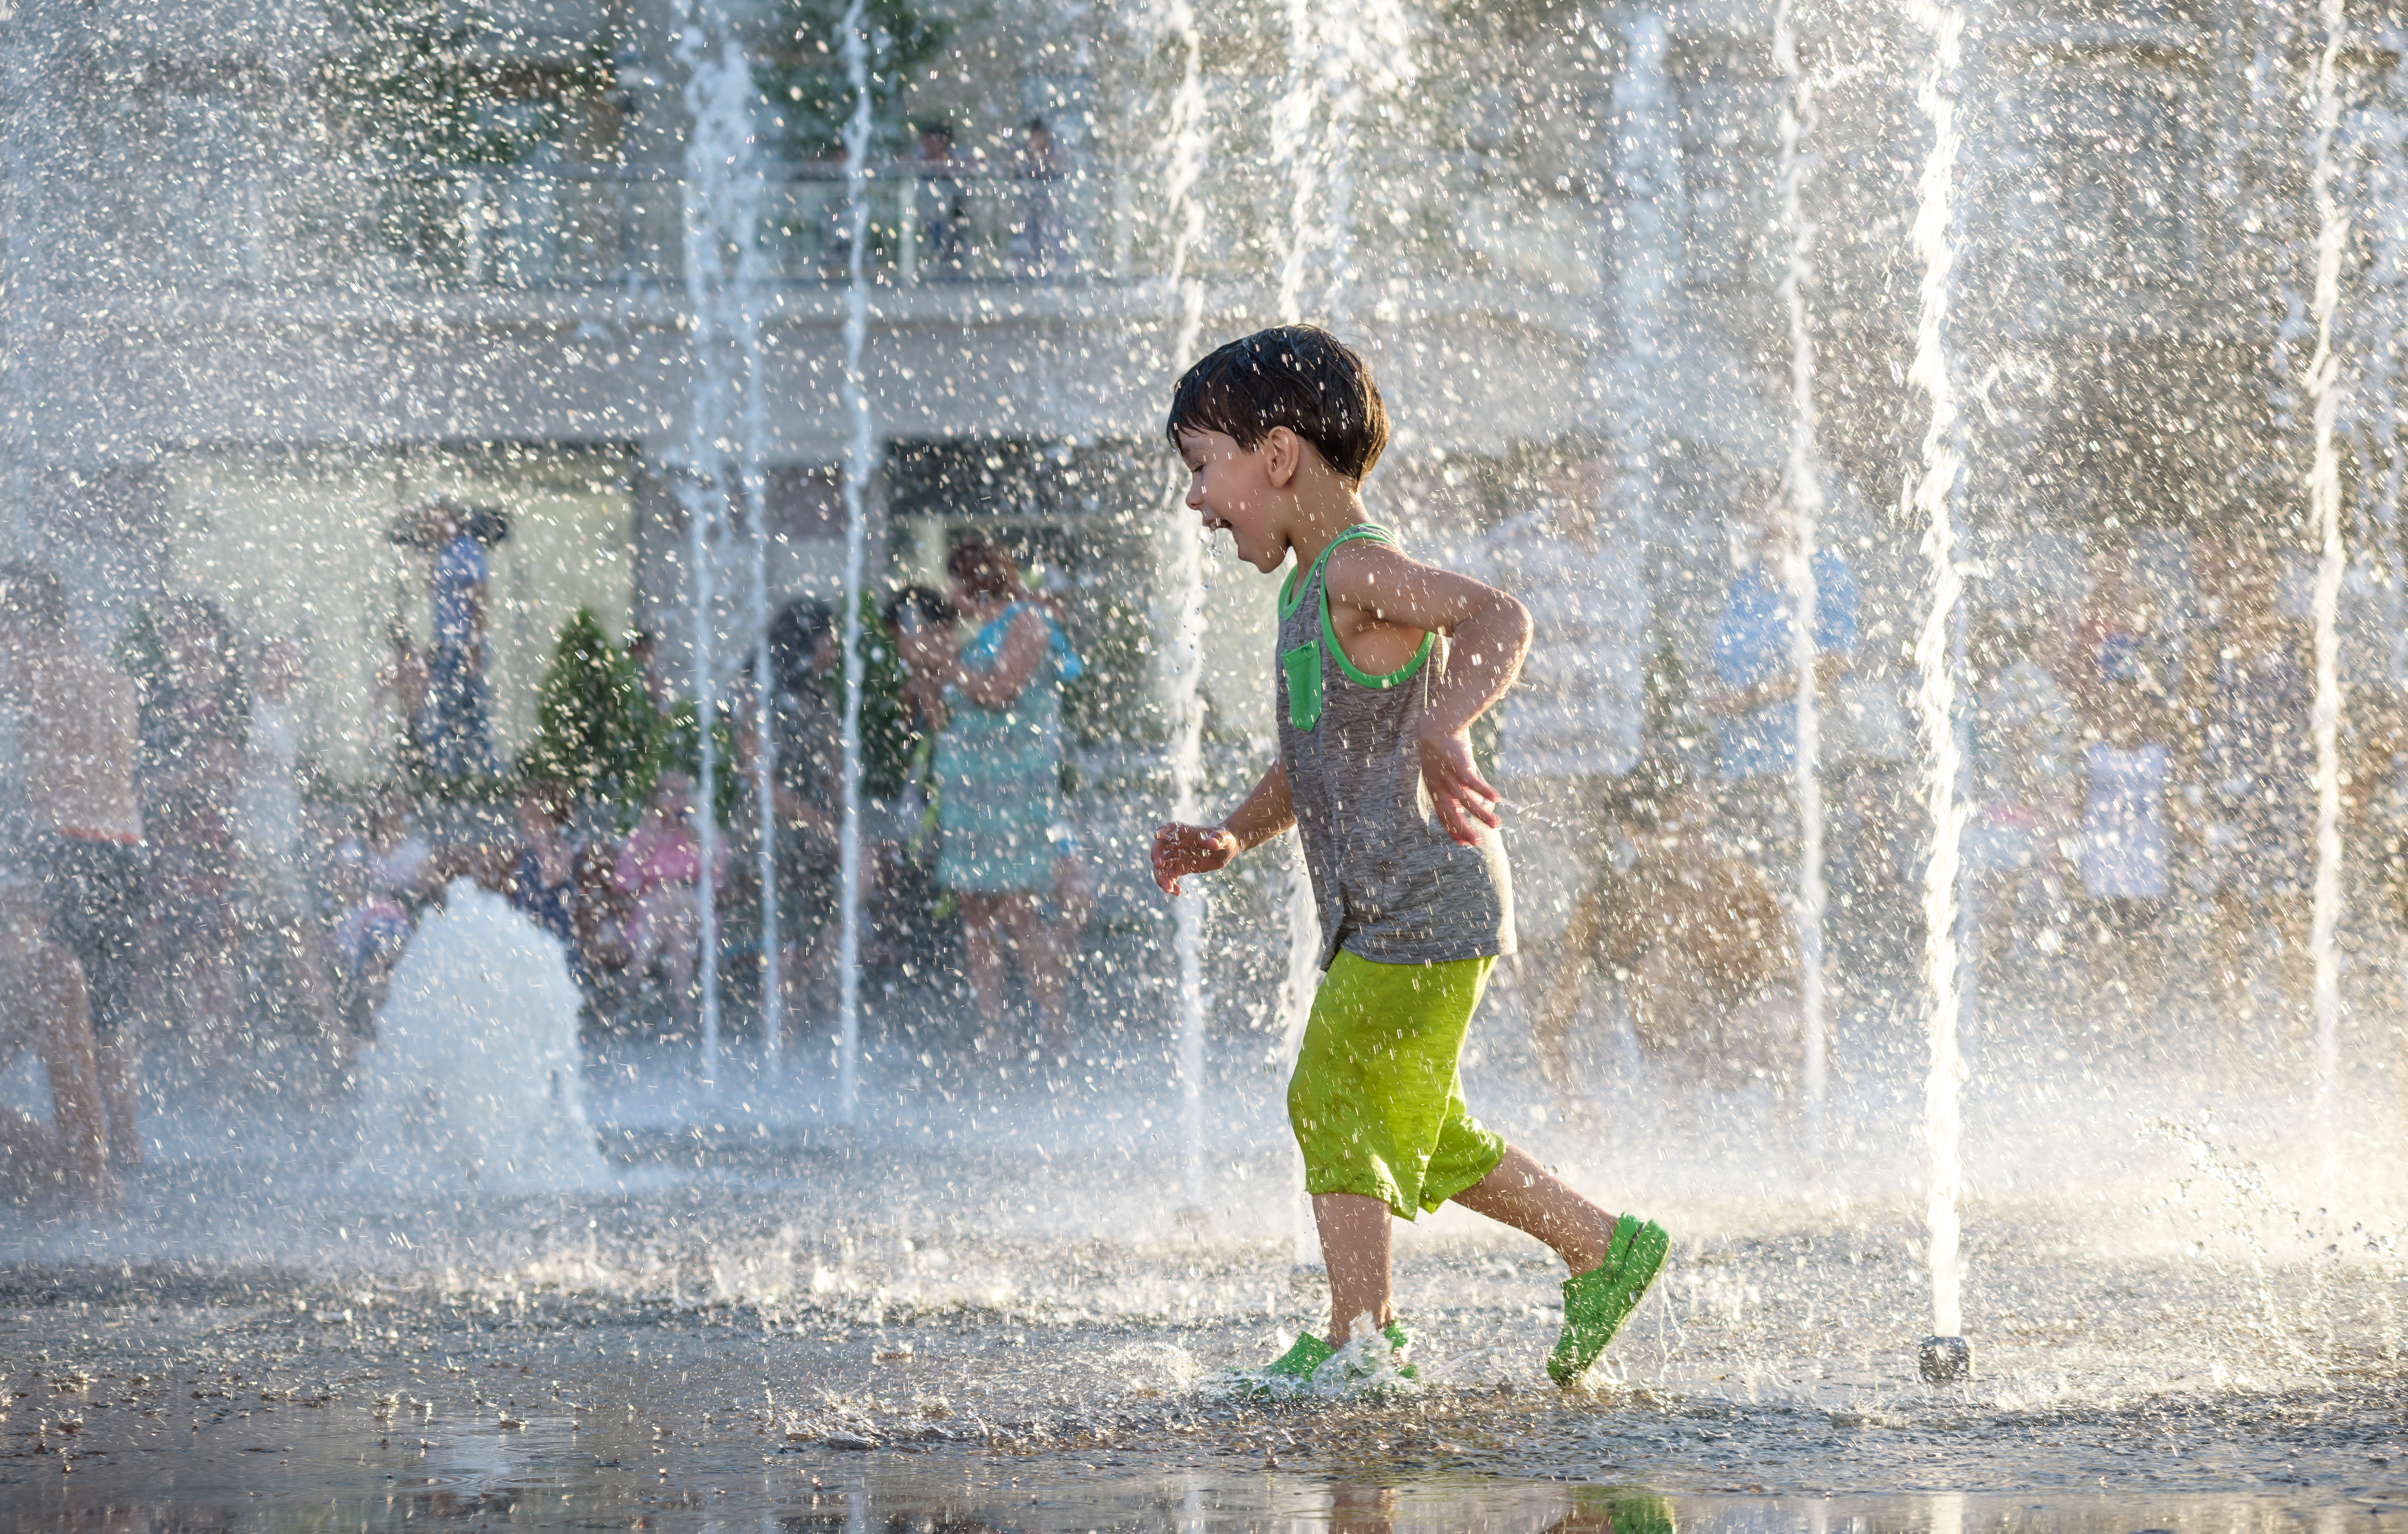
1181, 849
1491, 632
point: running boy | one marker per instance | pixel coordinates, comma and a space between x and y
1384, 663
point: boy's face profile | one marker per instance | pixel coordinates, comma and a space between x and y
1242, 489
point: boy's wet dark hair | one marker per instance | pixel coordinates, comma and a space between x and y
1299, 376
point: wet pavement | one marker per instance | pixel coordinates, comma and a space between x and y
984, 1307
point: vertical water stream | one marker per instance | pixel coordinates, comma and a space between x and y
1184, 672
2324, 509
1806, 505
860, 462
1934, 373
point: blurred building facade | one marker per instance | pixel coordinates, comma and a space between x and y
277, 271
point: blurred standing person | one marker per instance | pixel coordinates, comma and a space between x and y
944, 215
644, 648
403, 690
541, 880
2124, 857
919, 623
75, 845
1037, 237
2250, 693
660, 868
1702, 948
998, 776
807, 783
1569, 729
1754, 707
275, 909
193, 725
463, 745
2022, 780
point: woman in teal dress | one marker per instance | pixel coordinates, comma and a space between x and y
998, 776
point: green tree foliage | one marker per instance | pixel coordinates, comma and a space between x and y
595, 729
805, 96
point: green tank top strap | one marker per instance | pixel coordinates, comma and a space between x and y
1303, 665
1299, 581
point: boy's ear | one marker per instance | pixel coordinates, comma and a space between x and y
1283, 456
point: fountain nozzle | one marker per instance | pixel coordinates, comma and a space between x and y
1945, 1360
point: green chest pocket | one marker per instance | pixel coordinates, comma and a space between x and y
1302, 668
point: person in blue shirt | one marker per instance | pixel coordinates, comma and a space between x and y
463, 745
1754, 707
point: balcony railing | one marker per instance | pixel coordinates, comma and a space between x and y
587, 228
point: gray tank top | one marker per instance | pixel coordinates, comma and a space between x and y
1392, 885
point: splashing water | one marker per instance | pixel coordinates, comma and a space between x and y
721, 211
1291, 132
1936, 694
1184, 673
2324, 508
476, 1078
1806, 504
860, 462
1655, 211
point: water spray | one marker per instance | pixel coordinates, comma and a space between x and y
2324, 511
859, 464
1945, 1356
717, 95
1184, 676
1805, 487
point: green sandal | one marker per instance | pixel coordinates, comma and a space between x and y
1598, 1303
1292, 1372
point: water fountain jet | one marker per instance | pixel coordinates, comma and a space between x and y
1946, 1355
1183, 675
860, 462
1805, 488
2324, 508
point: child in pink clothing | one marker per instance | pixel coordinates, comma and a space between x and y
658, 866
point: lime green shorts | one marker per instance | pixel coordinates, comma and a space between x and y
1377, 1100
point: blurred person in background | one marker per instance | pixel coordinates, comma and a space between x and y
462, 744
1696, 940
644, 648
1570, 727
406, 728
2252, 752
998, 777
918, 621
943, 212
1754, 703
377, 883
194, 719
2021, 788
71, 887
660, 869
2125, 858
1036, 237
806, 781
273, 906
540, 881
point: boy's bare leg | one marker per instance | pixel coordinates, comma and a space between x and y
1522, 1193
1355, 1242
